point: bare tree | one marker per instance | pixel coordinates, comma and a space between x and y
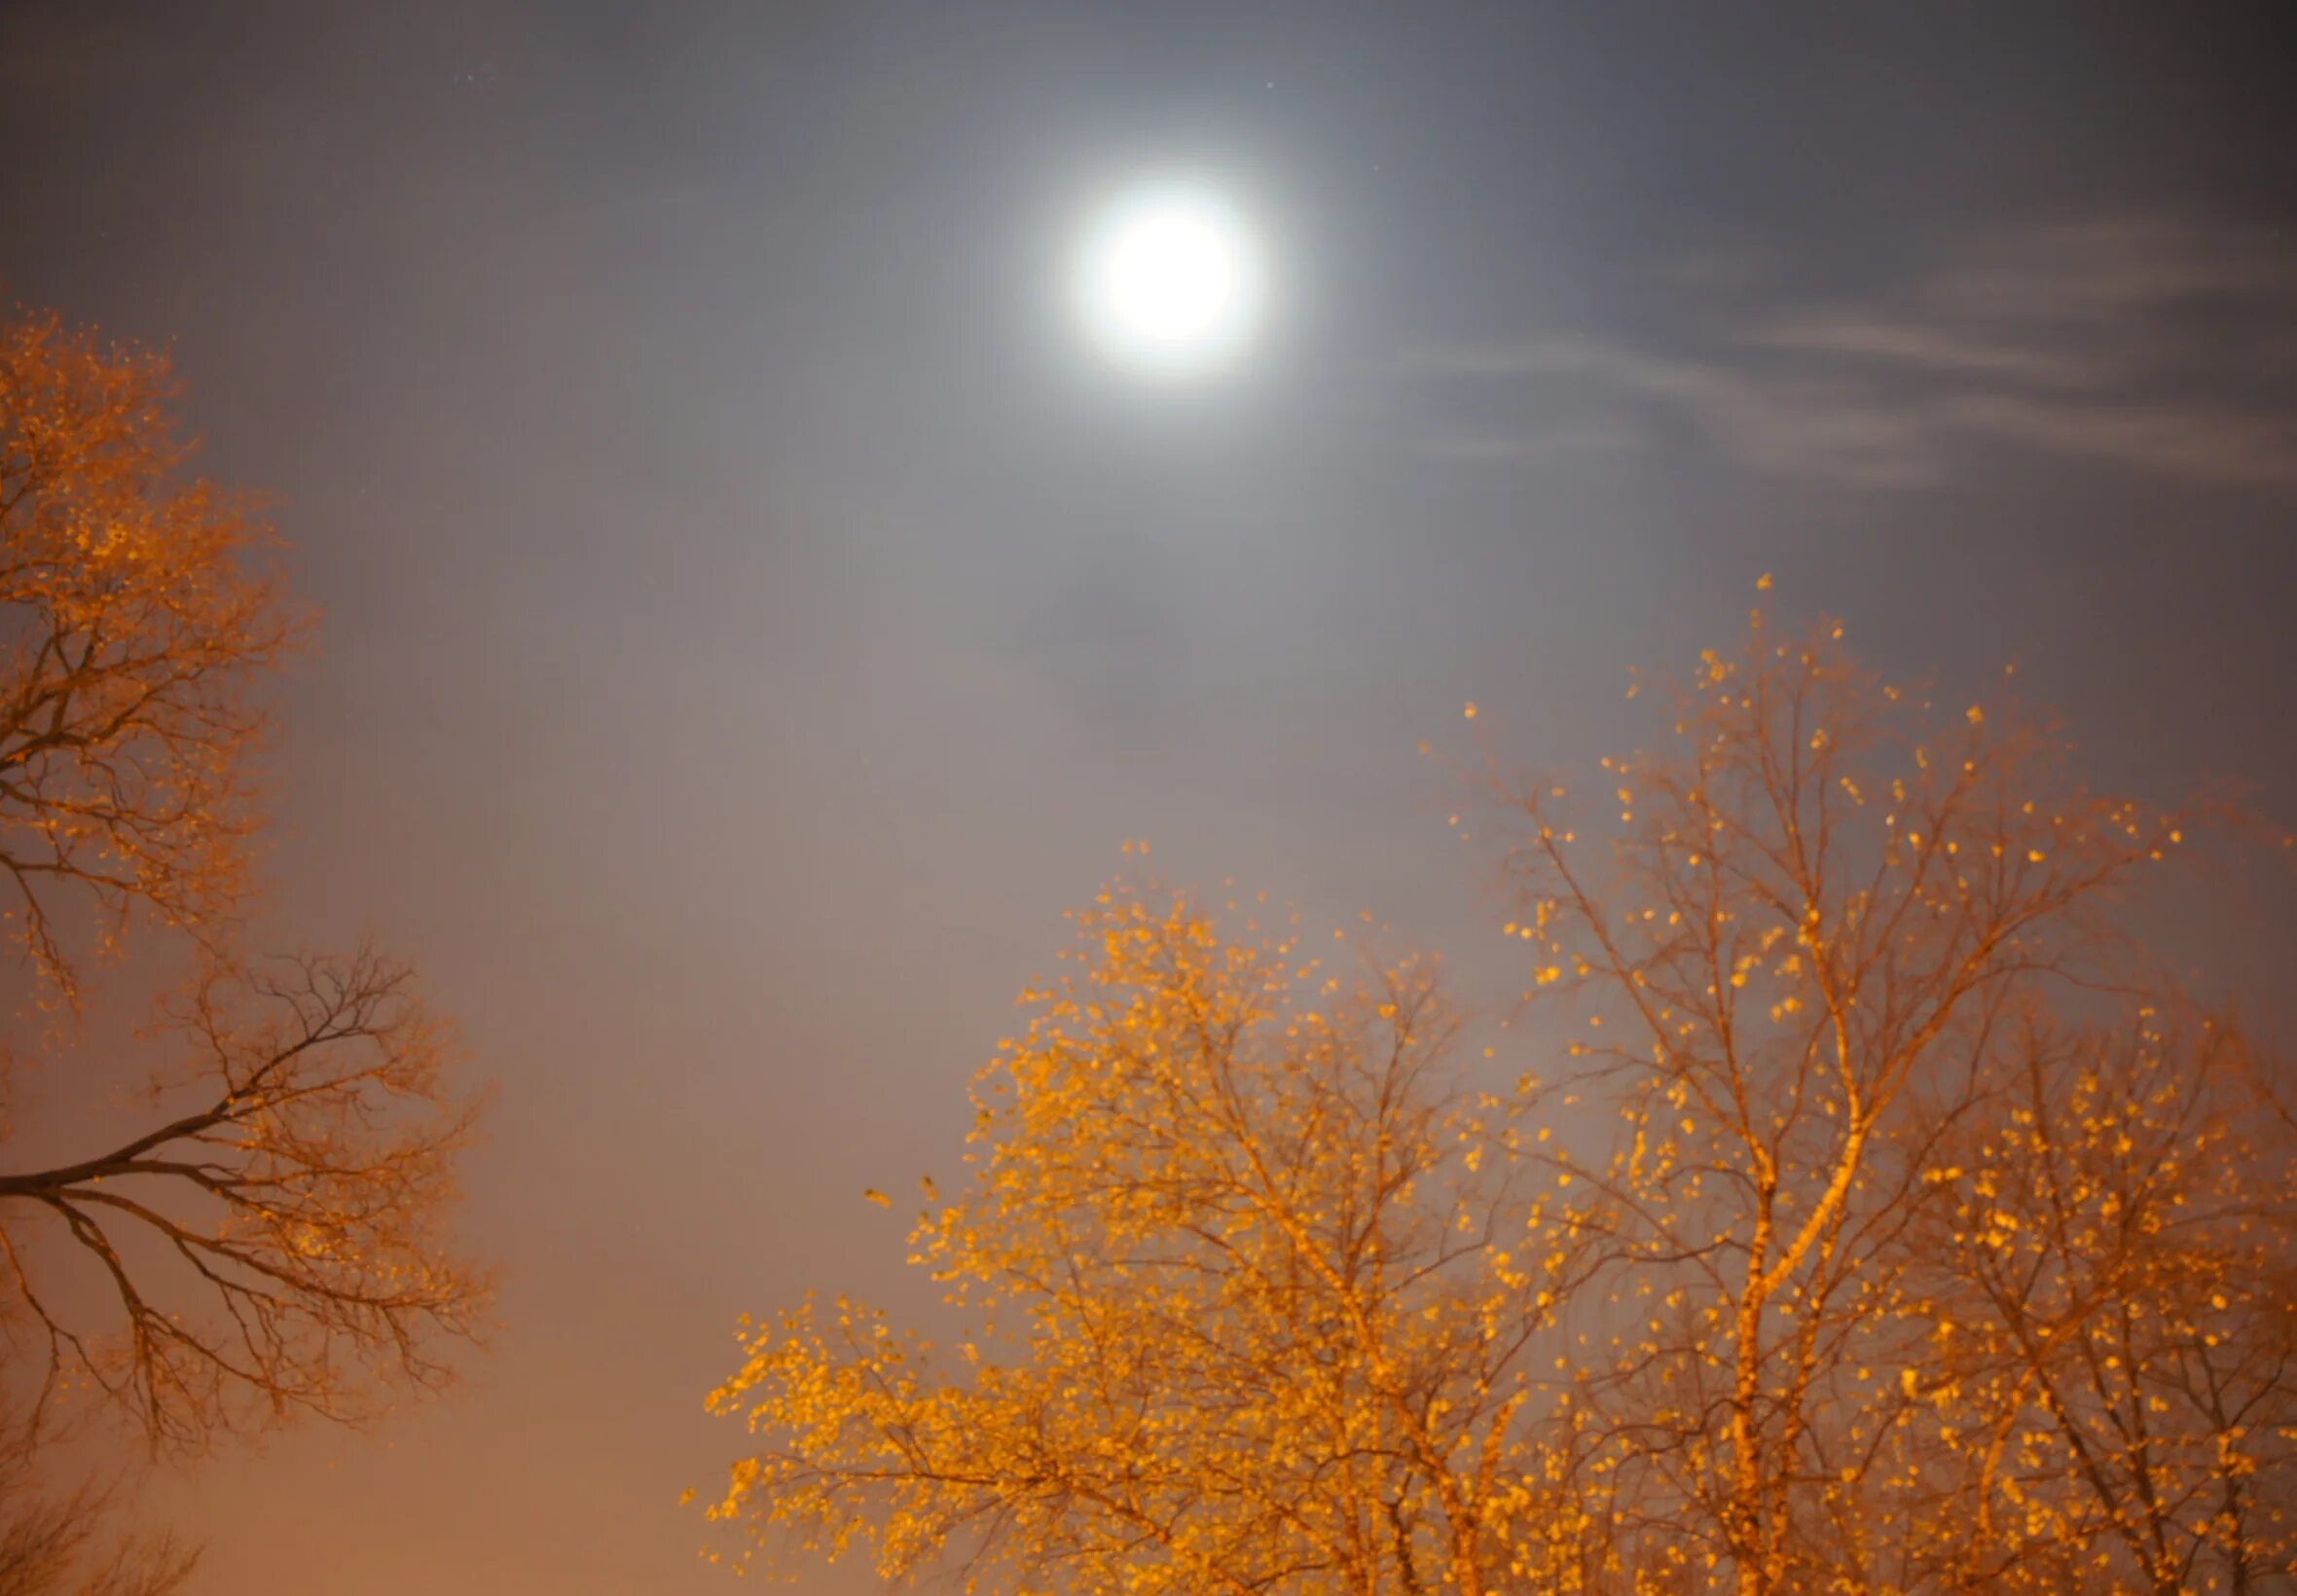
273, 1244
70, 1543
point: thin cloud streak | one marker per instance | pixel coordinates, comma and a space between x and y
2147, 346
2212, 444
1815, 429
1889, 340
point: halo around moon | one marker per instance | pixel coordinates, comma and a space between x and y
1170, 281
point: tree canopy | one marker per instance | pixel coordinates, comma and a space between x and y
275, 1237
1870, 1217
134, 624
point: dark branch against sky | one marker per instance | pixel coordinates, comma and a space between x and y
751, 617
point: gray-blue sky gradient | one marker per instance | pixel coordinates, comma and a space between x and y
751, 619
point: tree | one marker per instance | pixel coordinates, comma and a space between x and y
132, 626
289, 1209
1878, 1233
1243, 1306
65, 1545
2114, 1298
274, 1239
1820, 934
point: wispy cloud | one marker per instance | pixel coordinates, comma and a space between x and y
2113, 270
1895, 340
2203, 440
1814, 428
2158, 347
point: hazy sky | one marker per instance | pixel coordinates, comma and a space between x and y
753, 616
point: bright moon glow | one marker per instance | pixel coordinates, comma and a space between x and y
1170, 281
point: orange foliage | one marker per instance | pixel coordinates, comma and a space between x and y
274, 1240
131, 628
1933, 1249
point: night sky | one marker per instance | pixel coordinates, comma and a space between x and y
753, 616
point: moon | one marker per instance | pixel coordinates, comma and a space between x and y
1170, 281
